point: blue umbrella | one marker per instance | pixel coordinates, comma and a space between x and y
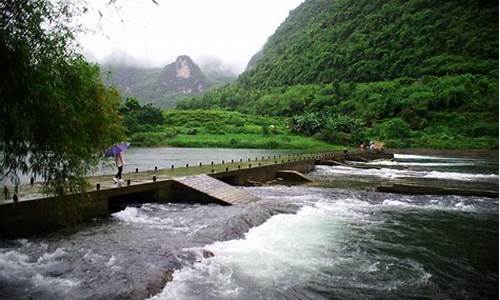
116, 149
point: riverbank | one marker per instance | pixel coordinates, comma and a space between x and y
215, 128
249, 141
223, 129
235, 130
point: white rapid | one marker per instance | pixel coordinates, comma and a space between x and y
322, 245
388, 173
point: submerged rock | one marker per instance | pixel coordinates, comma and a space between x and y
156, 286
207, 254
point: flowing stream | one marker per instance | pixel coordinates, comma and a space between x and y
298, 242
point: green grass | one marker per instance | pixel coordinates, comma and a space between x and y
237, 140
248, 141
230, 129
225, 129
455, 142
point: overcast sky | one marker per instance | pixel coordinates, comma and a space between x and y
231, 30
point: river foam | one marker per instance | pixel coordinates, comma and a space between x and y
388, 173
419, 157
139, 216
290, 251
298, 242
33, 269
420, 164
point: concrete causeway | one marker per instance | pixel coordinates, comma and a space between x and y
213, 183
104, 182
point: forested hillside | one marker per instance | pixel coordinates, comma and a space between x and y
412, 73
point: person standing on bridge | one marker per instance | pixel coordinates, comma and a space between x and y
116, 151
120, 162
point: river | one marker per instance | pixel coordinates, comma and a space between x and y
147, 158
300, 242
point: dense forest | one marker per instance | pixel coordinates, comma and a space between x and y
415, 73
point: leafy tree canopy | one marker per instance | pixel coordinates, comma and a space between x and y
139, 117
56, 116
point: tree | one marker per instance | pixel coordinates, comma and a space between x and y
136, 117
342, 129
56, 117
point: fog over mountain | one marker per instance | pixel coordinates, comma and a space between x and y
141, 33
164, 86
122, 58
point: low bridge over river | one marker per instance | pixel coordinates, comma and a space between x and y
191, 184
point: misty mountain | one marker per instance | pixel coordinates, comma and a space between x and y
217, 71
165, 86
182, 77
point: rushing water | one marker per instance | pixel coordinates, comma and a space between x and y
472, 173
301, 242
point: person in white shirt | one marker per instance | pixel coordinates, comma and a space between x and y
120, 162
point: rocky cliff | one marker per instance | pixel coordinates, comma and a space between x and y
182, 77
163, 86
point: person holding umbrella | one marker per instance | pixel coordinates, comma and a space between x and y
120, 162
116, 151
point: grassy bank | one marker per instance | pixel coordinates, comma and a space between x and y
279, 141
231, 129
224, 129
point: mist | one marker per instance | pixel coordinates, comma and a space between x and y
222, 33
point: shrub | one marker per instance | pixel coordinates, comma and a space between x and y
308, 123
265, 130
169, 132
342, 129
215, 128
236, 121
139, 118
392, 129
145, 139
192, 131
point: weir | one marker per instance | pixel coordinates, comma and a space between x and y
39, 215
205, 189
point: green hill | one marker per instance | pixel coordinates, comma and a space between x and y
415, 73
365, 41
